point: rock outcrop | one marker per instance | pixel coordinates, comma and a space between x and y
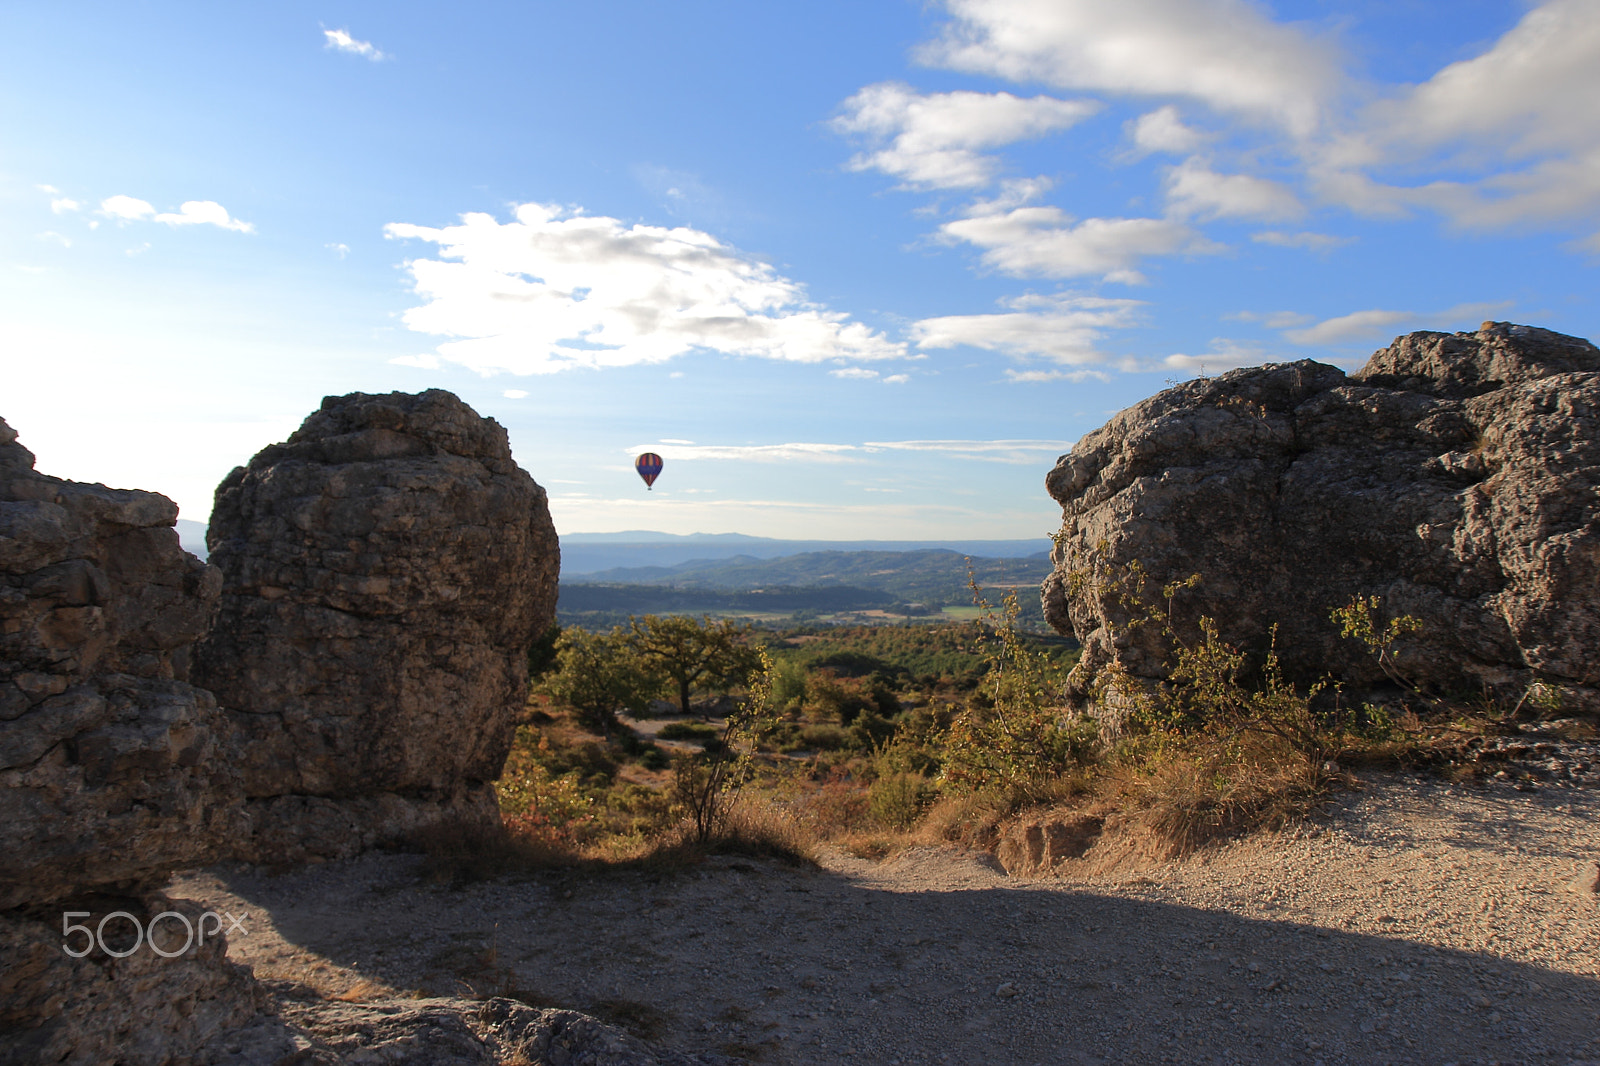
107, 771
385, 570
111, 776
1457, 477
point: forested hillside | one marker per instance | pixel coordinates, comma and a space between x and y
811, 586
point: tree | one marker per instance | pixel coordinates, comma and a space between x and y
707, 785
598, 674
705, 654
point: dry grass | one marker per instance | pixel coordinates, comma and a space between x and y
460, 852
1180, 801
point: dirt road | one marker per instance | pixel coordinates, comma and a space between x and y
1411, 921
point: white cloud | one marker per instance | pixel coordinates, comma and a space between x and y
934, 140
515, 394
1314, 242
761, 453
969, 445
1015, 452
674, 440
60, 205
1035, 377
191, 213
1062, 328
1375, 323
1520, 103
860, 372
1162, 130
1048, 242
340, 250
1223, 355
897, 379
995, 451
1526, 92
52, 237
1195, 190
340, 40
556, 289
204, 212
1502, 139
1224, 53
126, 208
421, 362
1273, 319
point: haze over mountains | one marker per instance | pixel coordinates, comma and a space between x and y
833, 585
591, 553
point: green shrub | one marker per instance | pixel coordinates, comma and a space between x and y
1015, 736
687, 731
870, 730
822, 737
898, 800
788, 684
597, 675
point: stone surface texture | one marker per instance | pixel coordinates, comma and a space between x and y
1456, 476
440, 1032
385, 570
112, 774
146, 1008
107, 768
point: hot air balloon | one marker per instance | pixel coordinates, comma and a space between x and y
649, 467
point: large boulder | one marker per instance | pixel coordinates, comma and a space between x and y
112, 775
385, 570
108, 774
1456, 476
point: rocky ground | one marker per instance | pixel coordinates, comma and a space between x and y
1409, 921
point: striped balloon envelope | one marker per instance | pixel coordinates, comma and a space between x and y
649, 467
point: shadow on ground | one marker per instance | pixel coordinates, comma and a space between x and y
787, 966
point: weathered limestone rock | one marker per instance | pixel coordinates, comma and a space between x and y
107, 767
385, 570
147, 1008
111, 775
1456, 476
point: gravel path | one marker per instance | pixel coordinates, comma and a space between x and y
1410, 921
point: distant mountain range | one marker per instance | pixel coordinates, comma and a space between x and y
915, 583
932, 576
590, 553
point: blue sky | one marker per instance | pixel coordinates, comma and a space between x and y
857, 270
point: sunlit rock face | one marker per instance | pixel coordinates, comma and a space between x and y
385, 570
1455, 476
